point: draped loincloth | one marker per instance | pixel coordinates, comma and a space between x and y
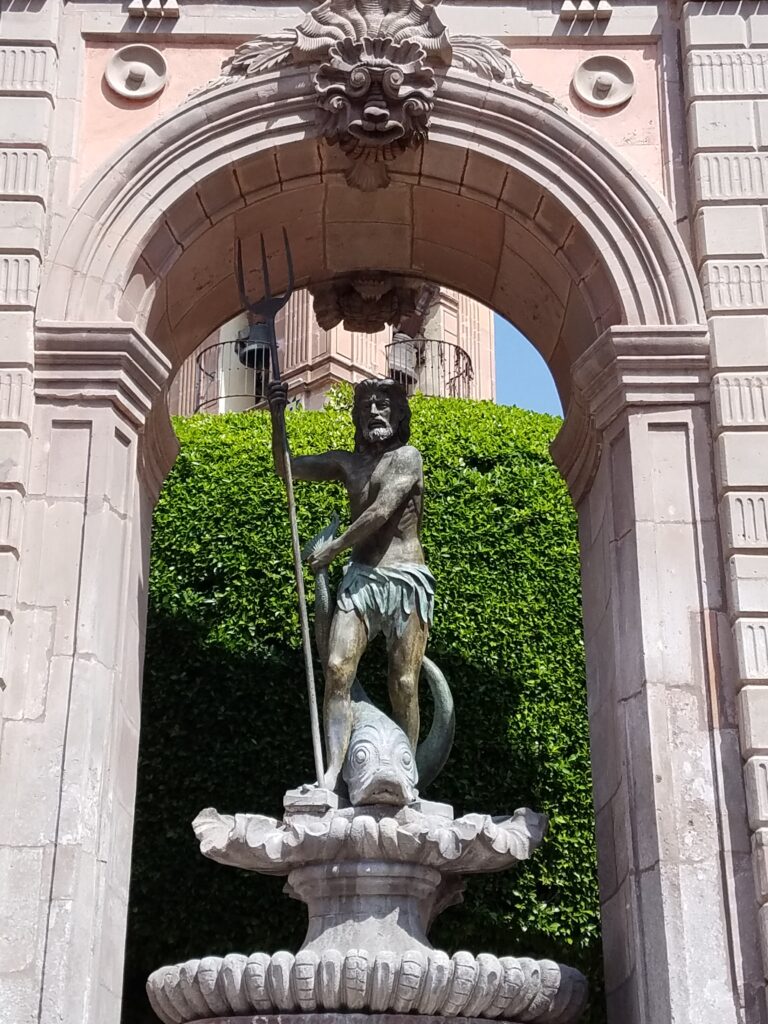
386, 596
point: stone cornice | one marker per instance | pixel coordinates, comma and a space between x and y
627, 367
92, 363
666, 365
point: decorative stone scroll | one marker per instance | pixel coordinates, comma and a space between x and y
378, 74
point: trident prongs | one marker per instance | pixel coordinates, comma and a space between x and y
268, 307
241, 276
265, 270
289, 262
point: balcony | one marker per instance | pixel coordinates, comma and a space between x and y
232, 376
433, 367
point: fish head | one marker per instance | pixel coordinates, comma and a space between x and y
380, 767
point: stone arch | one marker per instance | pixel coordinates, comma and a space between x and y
511, 197
559, 218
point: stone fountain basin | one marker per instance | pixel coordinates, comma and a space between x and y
474, 843
432, 985
373, 880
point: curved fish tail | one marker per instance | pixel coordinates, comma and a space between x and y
433, 751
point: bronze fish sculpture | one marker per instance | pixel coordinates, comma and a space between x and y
379, 767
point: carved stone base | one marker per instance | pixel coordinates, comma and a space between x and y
341, 1018
373, 881
485, 987
371, 904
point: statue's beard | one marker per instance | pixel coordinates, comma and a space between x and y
378, 435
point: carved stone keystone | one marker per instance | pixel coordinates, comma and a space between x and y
378, 74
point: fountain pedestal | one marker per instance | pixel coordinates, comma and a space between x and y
373, 880
369, 904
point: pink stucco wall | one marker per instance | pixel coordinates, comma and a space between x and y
633, 129
108, 122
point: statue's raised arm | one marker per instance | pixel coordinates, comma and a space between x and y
327, 466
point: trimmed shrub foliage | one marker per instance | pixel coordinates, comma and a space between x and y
225, 719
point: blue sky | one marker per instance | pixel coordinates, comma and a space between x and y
522, 377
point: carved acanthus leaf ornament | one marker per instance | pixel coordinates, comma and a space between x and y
377, 78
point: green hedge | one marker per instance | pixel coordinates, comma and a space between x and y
225, 718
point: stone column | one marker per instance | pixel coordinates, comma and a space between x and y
673, 850
726, 78
71, 715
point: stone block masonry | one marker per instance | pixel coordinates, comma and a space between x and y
726, 86
28, 73
28, 755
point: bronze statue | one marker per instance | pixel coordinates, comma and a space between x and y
387, 587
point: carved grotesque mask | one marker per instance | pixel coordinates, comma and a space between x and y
365, 301
377, 96
377, 88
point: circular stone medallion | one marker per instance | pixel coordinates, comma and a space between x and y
136, 72
604, 81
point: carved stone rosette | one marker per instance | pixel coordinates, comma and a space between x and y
378, 75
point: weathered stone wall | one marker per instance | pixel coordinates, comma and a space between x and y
678, 929
726, 86
28, 89
28, 74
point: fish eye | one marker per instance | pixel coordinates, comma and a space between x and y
360, 755
406, 758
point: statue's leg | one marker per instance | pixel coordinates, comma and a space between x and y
405, 656
346, 645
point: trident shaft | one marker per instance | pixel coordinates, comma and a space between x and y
266, 310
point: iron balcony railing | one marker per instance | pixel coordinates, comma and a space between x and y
231, 376
432, 366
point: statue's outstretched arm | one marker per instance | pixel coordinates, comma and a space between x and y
328, 466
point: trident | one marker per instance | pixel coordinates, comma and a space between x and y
266, 310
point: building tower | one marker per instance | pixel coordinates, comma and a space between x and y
448, 349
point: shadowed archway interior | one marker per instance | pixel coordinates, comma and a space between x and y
511, 202
526, 256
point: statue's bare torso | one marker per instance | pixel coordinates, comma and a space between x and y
369, 477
